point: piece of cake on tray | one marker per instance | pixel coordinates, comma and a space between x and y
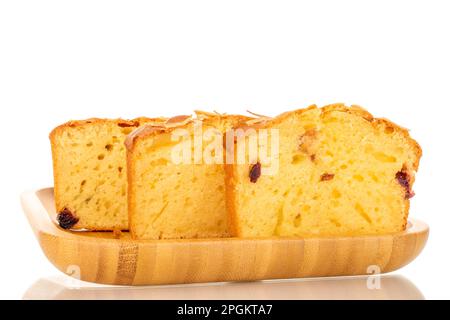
89, 167
176, 178
340, 172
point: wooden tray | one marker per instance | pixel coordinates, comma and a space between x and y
101, 258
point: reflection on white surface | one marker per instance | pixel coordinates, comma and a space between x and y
363, 287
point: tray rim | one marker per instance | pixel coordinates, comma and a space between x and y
41, 222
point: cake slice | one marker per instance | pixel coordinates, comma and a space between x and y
176, 178
89, 167
340, 172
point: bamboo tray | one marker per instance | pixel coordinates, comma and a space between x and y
102, 258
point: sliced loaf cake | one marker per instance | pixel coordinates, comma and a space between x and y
340, 172
89, 166
176, 178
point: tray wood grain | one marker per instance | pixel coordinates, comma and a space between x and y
101, 257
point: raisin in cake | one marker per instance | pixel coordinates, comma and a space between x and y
89, 166
170, 198
341, 172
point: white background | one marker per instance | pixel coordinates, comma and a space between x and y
62, 60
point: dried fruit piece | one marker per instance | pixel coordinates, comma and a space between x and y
128, 124
66, 219
255, 172
326, 176
403, 179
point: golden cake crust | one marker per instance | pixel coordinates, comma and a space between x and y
177, 122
